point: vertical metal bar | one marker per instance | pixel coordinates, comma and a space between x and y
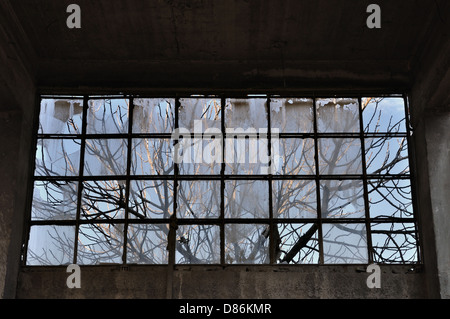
272, 224
412, 179
317, 179
80, 175
366, 192
222, 183
173, 224
30, 183
127, 181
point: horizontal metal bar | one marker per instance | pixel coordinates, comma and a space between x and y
194, 135
218, 221
188, 177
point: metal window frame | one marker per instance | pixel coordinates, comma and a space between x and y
221, 221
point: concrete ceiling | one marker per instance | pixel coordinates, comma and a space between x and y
226, 43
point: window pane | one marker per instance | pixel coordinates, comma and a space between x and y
198, 199
147, 244
384, 115
105, 157
294, 199
107, 116
103, 200
197, 115
337, 115
394, 243
344, 243
198, 244
295, 156
246, 199
199, 156
151, 199
61, 116
246, 114
246, 156
342, 199
100, 244
56, 200
153, 115
57, 157
297, 243
151, 157
340, 156
51, 245
292, 115
387, 156
390, 198
246, 244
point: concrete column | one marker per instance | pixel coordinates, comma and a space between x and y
438, 150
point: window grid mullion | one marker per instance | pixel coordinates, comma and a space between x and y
317, 179
365, 191
80, 176
128, 178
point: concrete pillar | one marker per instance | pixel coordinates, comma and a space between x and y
438, 152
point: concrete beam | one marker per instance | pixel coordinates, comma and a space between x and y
392, 75
431, 68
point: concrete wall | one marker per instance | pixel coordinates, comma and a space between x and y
192, 282
17, 100
438, 146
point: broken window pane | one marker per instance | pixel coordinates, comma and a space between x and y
342, 199
198, 199
344, 243
387, 156
390, 198
151, 199
147, 244
394, 243
340, 156
246, 199
51, 245
108, 116
57, 157
103, 200
292, 115
151, 157
294, 157
384, 115
61, 116
105, 157
54, 200
198, 244
297, 243
153, 115
246, 244
337, 115
199, 114
294, 199
100, 244
246, 114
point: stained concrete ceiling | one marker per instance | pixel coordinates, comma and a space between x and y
226, 43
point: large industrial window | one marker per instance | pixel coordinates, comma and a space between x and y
197, 179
